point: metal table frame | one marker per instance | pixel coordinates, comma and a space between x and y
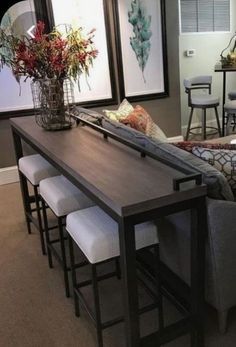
224, 70
194, 323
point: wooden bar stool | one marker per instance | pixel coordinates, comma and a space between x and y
202, 101
96, 235
62, 197
33, 169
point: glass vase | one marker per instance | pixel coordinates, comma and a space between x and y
53, 99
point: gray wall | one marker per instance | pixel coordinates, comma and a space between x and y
7, 157
165, 112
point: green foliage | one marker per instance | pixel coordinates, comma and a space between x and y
140, 42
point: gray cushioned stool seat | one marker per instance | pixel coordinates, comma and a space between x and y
204, 100
36, 168
97, 235
232, 95
230, 106
62, 196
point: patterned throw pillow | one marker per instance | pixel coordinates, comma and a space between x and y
222, 159
189, 145
140, 120
124, 110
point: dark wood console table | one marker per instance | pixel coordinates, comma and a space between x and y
131, 189
224, 70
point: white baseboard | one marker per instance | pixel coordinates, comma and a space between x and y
175, 139
9, 175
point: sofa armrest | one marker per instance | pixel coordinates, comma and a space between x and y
174, 236
222, 247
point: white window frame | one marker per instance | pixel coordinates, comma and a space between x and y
204, 32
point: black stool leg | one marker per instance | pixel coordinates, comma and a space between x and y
40, 226
217, 120
73, 275
158, 286
234, 122
45, 222
118, 272
63, 254
204, 124
189, 124
97, 306
224, 118
26, 200
228, 122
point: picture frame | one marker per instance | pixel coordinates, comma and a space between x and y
16, 99
100, 89
142, 55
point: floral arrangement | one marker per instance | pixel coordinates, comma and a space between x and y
52, 55
230, 58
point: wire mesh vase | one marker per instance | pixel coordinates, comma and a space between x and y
52, 100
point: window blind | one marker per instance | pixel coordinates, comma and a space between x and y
205, 15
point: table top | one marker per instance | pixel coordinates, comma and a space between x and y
220, 68
112, 174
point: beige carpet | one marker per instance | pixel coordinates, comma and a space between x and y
33, 309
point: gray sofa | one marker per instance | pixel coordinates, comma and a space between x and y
174, 231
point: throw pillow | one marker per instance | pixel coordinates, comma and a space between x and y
125, 132
155, 132
189, 145
140, 120
124, 109
222, 159
137, 119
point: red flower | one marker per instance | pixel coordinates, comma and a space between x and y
94, 53
53, 55
39, 30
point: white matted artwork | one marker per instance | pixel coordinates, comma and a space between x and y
89, 15
141, 48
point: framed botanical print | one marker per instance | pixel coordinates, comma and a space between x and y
141, 49
99, 88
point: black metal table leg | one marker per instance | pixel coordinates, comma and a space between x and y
223, 103
129, 283
23, 182
198, 234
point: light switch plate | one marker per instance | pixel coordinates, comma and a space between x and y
191, 52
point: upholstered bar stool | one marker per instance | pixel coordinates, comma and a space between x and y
232, 95
34, 168
229, 115
201, 101
96, 235
62, 197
